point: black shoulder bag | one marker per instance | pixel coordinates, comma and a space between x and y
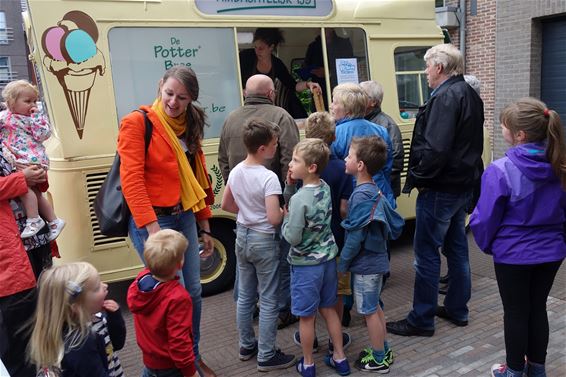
109, 205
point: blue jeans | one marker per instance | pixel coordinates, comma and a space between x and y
258, 272
184, 223
284, 301
367, 292
284, 294
440, 224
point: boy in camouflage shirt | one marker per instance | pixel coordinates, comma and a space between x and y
314, 279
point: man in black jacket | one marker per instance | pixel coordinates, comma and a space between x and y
444, 166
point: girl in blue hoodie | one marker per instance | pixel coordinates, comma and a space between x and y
520, 219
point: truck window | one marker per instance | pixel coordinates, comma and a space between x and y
140, 55
302, 56
412, 87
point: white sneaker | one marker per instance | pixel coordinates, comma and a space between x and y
33, 226
55, 228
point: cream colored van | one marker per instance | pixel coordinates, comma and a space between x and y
95, 61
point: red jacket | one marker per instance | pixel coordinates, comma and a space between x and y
163, 323
152, 179
16, 274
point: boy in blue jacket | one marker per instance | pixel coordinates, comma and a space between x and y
370, 223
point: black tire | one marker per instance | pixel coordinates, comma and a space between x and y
218, 271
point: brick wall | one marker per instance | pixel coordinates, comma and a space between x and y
518, 51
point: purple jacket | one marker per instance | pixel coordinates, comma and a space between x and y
521, 213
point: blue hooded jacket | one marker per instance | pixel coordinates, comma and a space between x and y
371, 222
346, 130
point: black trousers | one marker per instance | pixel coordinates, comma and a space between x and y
40, 259
524, 290
16, 313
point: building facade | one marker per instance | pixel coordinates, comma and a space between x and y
516, 49
13, 54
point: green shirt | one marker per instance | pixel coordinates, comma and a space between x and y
307, 225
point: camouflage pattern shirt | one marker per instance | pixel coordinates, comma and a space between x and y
307, 225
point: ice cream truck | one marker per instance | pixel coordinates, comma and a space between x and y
96, 61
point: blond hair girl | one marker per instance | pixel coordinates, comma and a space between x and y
62, 342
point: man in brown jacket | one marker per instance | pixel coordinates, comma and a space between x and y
259, 98
260, 94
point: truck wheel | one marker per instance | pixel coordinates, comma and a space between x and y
217, 272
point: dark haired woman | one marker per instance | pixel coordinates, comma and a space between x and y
260, 59
168, 187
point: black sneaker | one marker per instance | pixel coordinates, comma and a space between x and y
346, 341
367, 363
247, 353
278, 361
297, 341
285, 319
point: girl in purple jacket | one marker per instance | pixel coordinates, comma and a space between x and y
520, 219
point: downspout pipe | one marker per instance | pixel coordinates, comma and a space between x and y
463, 30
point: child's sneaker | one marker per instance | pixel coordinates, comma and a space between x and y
501, 370
278, 361
33, 226
247, 353
305, 372
341, 367
346, 341
297, 341
55, 228
534, 370
367, 363
389, 358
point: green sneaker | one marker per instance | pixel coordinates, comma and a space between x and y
369, 364
389, 358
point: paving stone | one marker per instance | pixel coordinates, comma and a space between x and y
452, 351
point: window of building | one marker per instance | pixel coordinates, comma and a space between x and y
5, 70
412, 86
3, 29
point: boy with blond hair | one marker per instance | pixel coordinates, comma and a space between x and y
370, 223
321, 125
312, 254
163, 309
252, 192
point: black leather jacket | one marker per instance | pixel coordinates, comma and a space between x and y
447, 140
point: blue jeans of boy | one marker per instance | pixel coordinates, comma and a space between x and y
185, 223
258, 272
440, 224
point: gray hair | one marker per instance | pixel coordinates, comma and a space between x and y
374, 90
448, 56
474, 82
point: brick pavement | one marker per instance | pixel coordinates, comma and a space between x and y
452, 351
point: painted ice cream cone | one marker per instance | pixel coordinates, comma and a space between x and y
77, 81
72, 56
77, 86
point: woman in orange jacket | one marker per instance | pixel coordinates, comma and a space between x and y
168, 187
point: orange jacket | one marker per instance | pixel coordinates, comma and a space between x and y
16, 274
150, 180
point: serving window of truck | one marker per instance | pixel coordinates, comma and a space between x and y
98, 60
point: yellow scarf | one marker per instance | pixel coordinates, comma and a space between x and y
192, 185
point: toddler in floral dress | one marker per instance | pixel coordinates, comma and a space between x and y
22, 132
